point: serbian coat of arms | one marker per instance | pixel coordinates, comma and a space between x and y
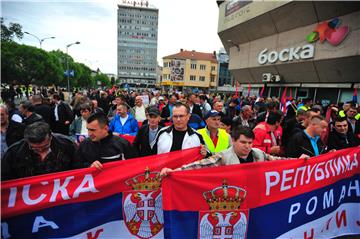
224, 220
142, 207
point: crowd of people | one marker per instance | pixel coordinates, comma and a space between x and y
46, 134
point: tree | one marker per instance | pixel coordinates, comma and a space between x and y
104, 79
9, 32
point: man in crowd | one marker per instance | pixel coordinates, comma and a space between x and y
27, 111
139, 109
354, 124
11, 131
241, 152
268, 134
204, 105
78, 129
178, 136
341, 137
194, 108
42, 109
245, 117
216, 139
40, 152
147, 132
308, 141
102, 146
167, 110
63, 116
219, 107
123, 122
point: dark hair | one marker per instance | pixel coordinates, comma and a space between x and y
242, 130
27, 105
203, 97
123, 104
226, 120
99, 116
274, 117
37, 132
85, 106
179, 104
56, 97
340, 119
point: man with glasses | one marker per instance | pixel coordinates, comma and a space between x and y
178, 136
40, 152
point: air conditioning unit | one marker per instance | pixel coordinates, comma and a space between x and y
275, 78
266, 77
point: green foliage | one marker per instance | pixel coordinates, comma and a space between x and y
9, 32
104, 79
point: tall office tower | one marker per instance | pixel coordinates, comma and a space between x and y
137, 44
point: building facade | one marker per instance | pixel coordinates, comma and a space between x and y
225, 81
310, 47
137, 45
190, 70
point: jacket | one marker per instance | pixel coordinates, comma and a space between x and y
141, 142
164, 140
75, 128
228, 157
263, 138
32, 119
130, 127
341, 141
300, 144
14, 132
20, 161
224, 140
109, 149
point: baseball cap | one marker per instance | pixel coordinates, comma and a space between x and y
154, 111
211, 113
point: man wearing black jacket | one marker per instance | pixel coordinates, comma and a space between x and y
341, 137
147, 132
308, 141
63, 116
102, 146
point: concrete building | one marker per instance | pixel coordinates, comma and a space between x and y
225, 82
311, 47
190, 69
137, 44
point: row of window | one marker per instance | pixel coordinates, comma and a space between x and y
140, 57
132, 21
138, 34
192, 78
136, 68
140, 28
137, 16
192, 66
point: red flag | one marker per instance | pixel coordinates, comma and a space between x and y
249, 88
355, 95
236, 89
262, 91
291, 97
283, 100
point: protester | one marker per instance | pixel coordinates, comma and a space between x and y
204, 105
240, 152
78, 130
102, 146
27, 109
123, 122
178, 136
167, 110
42, 109
147, 132
341, 137
139, 109
194, 108
63, 116
245, 118
308, 141
40, 152
216, 139
11, 131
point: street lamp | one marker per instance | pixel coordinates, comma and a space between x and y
40, 40
67, 65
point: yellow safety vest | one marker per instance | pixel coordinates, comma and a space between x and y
342, 113
357, 116
222, 143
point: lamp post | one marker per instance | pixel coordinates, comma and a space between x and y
40, 40
67, 65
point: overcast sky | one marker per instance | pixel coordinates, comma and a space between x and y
187, 24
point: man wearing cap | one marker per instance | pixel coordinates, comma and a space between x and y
216, 139
147, 132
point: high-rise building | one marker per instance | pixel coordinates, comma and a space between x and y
137, 44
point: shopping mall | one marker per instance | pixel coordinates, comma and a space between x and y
310, 47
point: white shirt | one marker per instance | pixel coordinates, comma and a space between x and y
56, 112
123, 120
84, 130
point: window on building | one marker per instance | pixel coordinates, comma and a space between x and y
202, 67
202, 78
193, 78
166, 64
193, 66
212, 68
212, 78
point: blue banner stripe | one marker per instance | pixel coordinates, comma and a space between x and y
71, 219
180, 224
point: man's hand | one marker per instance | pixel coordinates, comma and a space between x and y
97, 165
67, 122
275, 150
203, 151
304, 156
166, 171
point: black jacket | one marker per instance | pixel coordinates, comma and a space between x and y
342, 141
45, 111
300, 144
32, 119
65, 113
109, 149
14, 132
196, 110
165, 113
141, 142
20, 161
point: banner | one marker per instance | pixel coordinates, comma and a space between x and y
314, 198
177, 70
121, 201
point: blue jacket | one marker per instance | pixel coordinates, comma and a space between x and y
130, 127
